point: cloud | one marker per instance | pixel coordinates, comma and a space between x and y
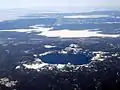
58, 3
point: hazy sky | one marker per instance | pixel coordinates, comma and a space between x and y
58, 3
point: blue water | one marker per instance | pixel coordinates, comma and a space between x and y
66, 58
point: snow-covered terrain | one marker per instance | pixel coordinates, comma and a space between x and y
63, 33
86, 16
76, 34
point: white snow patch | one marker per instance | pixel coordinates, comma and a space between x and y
49, 46
111, 22
34, 66
100, 52
118, 17
38, 60
17, 67
86, 16
99, 56
36, 28
85, 65
116, 54
60, 66
46, 53
35, 55
8, 83
27, 51
76, 34
73, 45
101, 59
62, 52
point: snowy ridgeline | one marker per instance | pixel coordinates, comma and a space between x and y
38, 65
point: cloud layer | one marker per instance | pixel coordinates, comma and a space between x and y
58, 3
